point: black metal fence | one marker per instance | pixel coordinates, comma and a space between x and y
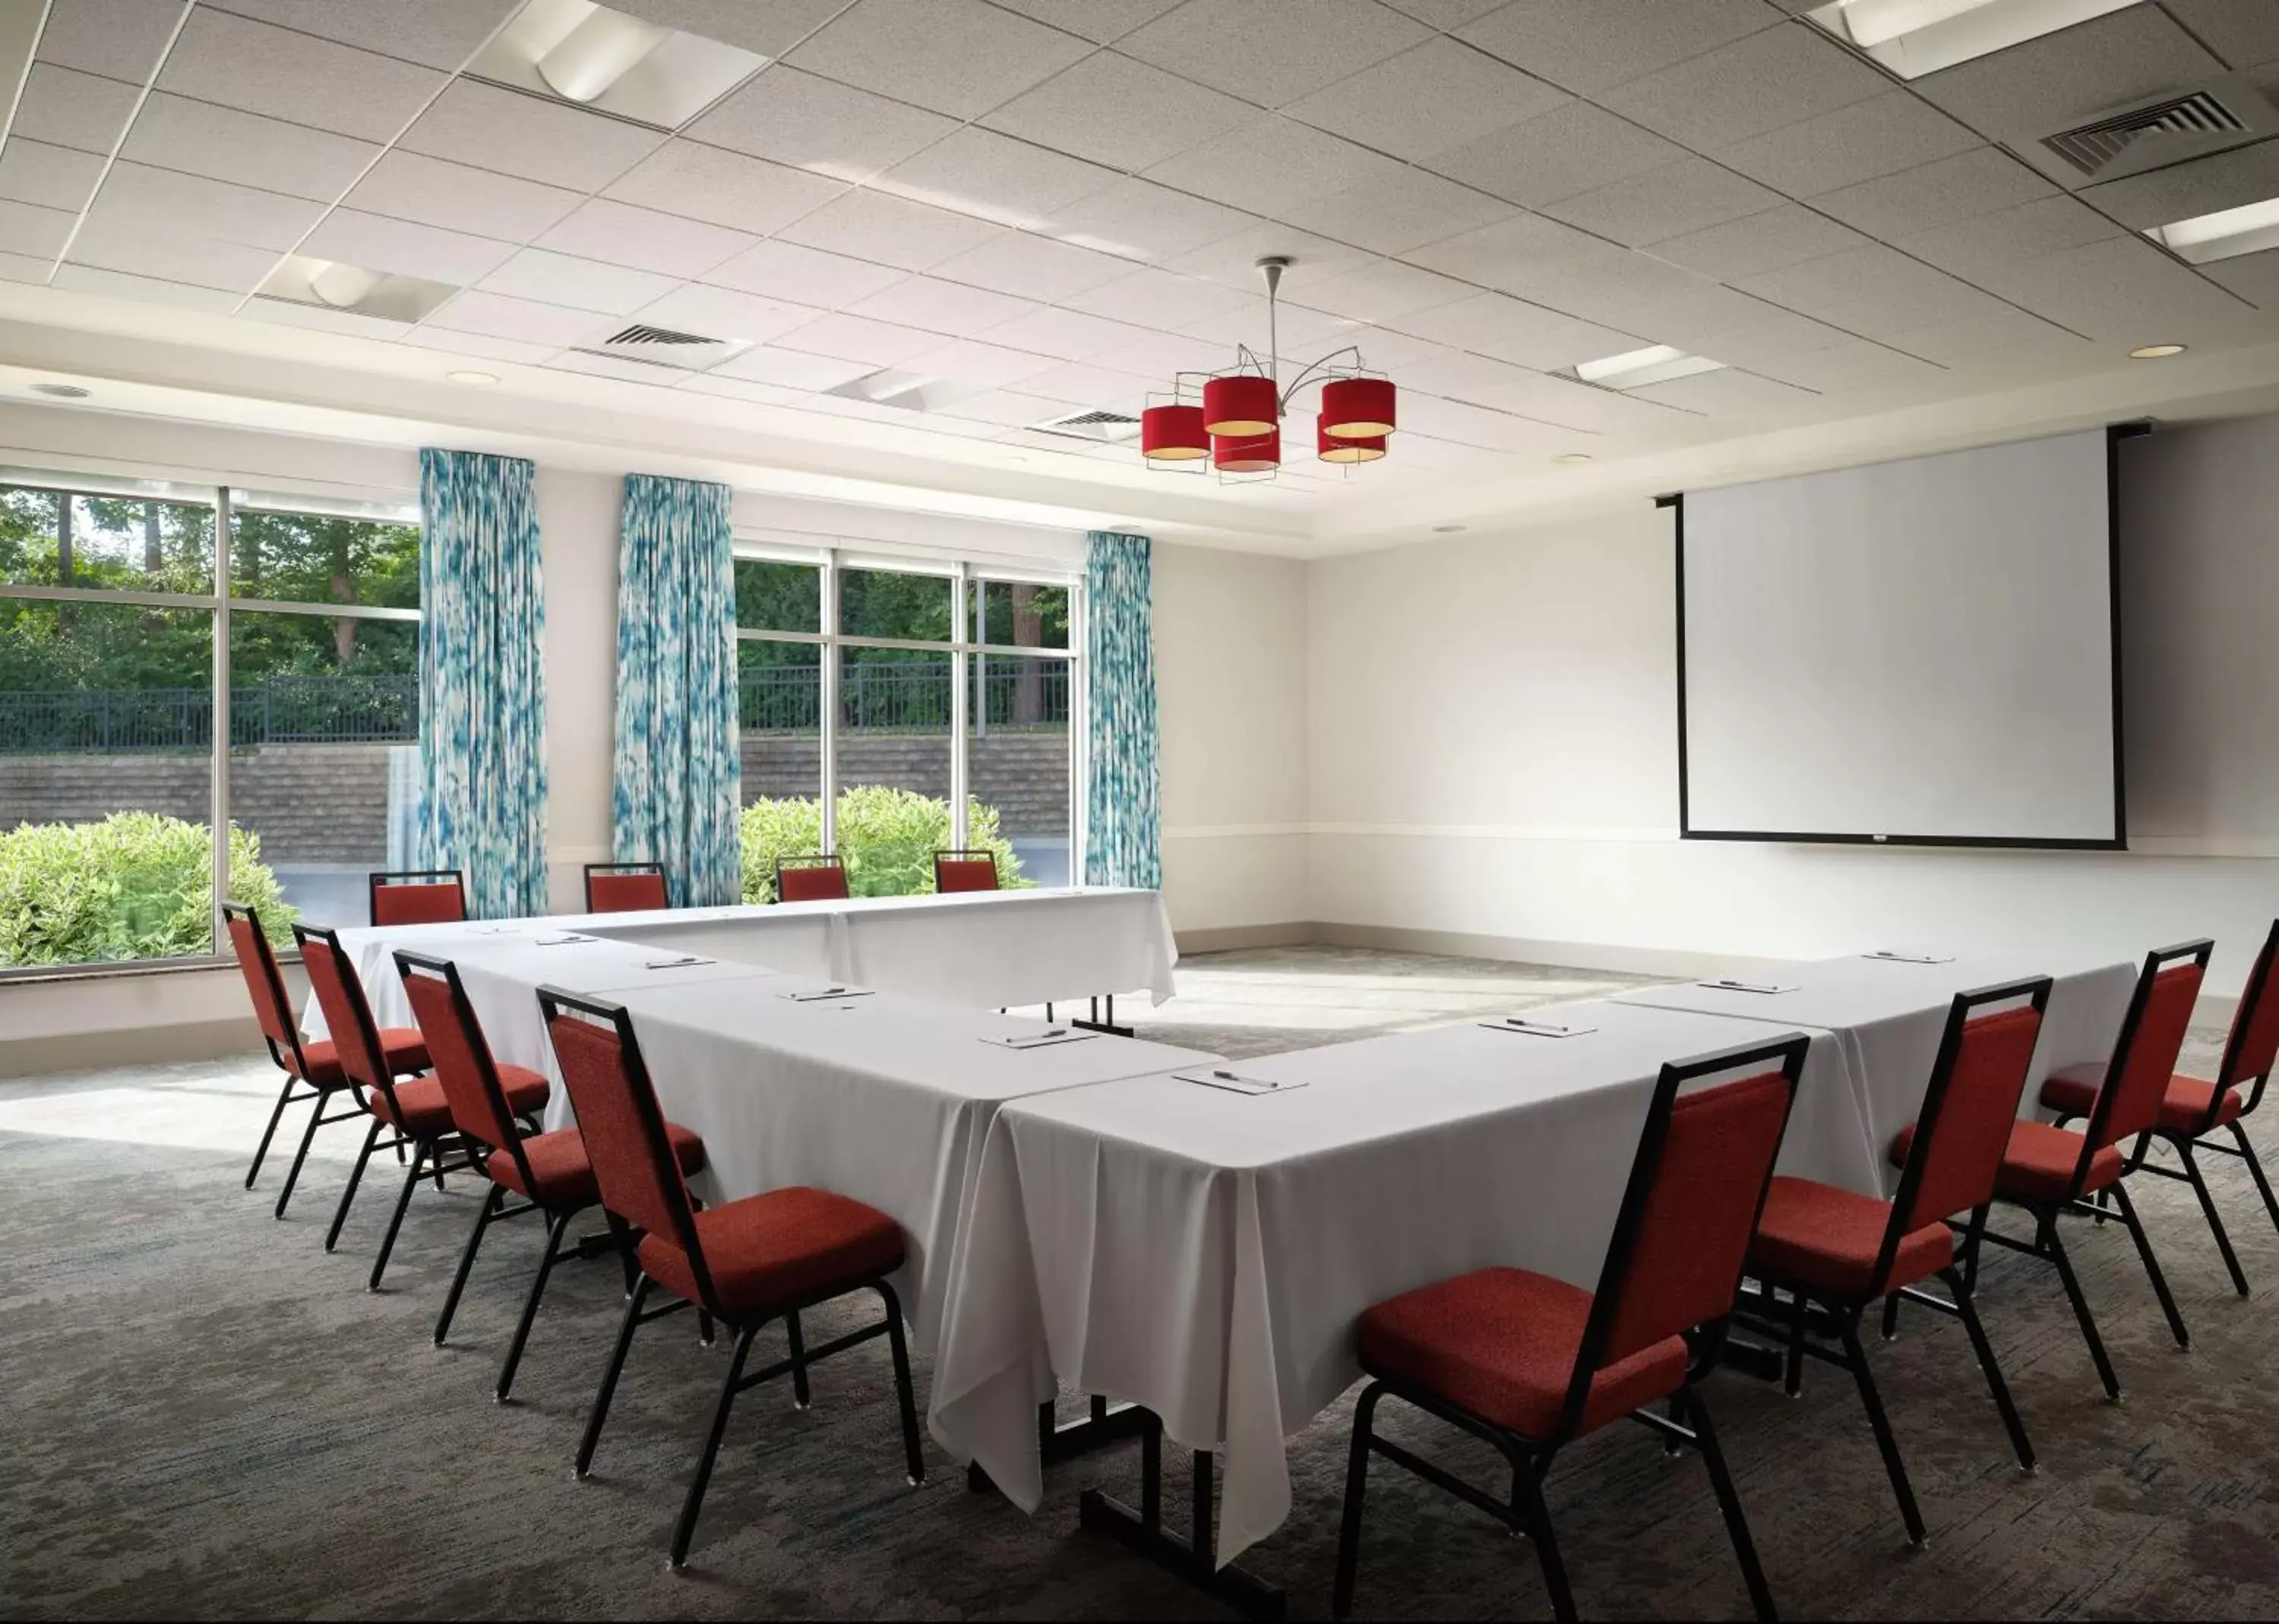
904, 696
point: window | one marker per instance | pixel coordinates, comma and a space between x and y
114, 768
948, 724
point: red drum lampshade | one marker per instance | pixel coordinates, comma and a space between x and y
1173, 434
1247, 453
1358, 408
1351, 449
1244, 404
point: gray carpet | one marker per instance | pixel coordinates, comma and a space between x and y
204, 1415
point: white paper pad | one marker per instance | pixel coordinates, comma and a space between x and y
1889, 957
1040, 1040
1235, 1084
1535, 1029
827, 995
1744, 986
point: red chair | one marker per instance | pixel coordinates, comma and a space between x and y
415, 1108
2193, 1108
549, 1171
419, 896
2049, 1171
763, 1258
966, 872
1529, 1363
819, 878
1843, 1251
302, 1059
625, 888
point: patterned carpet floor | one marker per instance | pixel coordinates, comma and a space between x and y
204, 1415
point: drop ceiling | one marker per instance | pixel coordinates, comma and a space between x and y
1045, 207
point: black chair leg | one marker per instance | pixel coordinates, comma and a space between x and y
2053, 1247
261, 1151
685, 1530
610, 1373
905, 1394
308, 1137
1966, 1309
1729, 1502
1792, 1379
621, 1232
2127, 1211
2214, 1219
1537, 1518
2255, 1169
1891, 1317
395, 1221
483, 1215
800, 1396
1881, 1423
555, 1228
348, 1195
1356, 1487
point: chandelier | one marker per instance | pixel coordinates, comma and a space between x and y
1230, 421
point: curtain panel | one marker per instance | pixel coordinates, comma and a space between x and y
1123, 842
483, 692
678, 775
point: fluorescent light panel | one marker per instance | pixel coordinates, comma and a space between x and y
1914, 38
2224, 235
573, 50
1636, 368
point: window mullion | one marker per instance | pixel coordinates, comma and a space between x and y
220, 809
829, 764
959, 835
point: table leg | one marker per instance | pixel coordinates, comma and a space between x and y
1101, 1424
1095, 1024
1143, 1533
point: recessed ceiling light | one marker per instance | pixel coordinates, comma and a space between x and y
2155, 352
62, 392
1568, 459
2223, 234
590, 55
1914, 38
1447, 530
331, 284
1636, 368
481, 381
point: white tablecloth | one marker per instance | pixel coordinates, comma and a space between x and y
1207, 1254
1887, 1015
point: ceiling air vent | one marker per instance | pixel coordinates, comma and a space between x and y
2151, 134
665, 347
1100, 427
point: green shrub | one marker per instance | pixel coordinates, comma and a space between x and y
136, 886
887, 836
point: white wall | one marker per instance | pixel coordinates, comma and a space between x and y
1492, 751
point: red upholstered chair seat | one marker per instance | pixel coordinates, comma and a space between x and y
1827, 1241
406, 1051
777, 1248
2038, 1162
428, 1113
564, 1173
2184, 1108
1502, 1344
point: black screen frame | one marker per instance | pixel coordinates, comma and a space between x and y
2114, 433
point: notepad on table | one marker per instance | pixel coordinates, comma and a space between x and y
1888, 956
1535, 1029
561, 941
1746, 987
1041, 1040
826, 994
685, 960
1233, 1083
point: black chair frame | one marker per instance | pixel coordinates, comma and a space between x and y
295, 1063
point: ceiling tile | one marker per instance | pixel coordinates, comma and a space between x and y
144, 289
623, 368
1380, 291
1066, 335
2028, 231
1035, 267
286, 313
723, 312
33, 172
891, 231
1725, 392
2244, 33
1458, 376
956, 57
550, 143
119, 38
172, 133
1848, 365
768, 26
1691, 195
853, 337
163, 203
2254, 277
1397, 212
1775, 334
761, 394
1874, 291
521, 319
977, 366
1158, 355
1550, 263
2122, 289
1296, 329
73, 110
1235, 260
1879, 137
2003, 327
440, 34
1139, 219
804, 275
409, 185
1568, 149
940, 307
1438, 95
205, 262
1448, 15
1488, 428
1282, 163
1579, 406
488, 346
722, 188
297, 76
26, 229
790, 368
1776, 77
581, 284
403, 247
978, 172
1516, 330
1010, 409
1782, 236
2050, 83
1115, 111
23, 268
1588, 46
1098, 387
1103, 21
621, 234
2185, 191
1158, 298
812, 124
1273, 51
1979, 181
1696, 321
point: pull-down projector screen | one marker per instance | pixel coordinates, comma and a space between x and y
1922, 652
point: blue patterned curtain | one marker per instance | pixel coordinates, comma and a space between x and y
1122, 843
678, 777
482, 691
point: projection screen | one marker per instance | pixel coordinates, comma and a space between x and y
1921, 652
